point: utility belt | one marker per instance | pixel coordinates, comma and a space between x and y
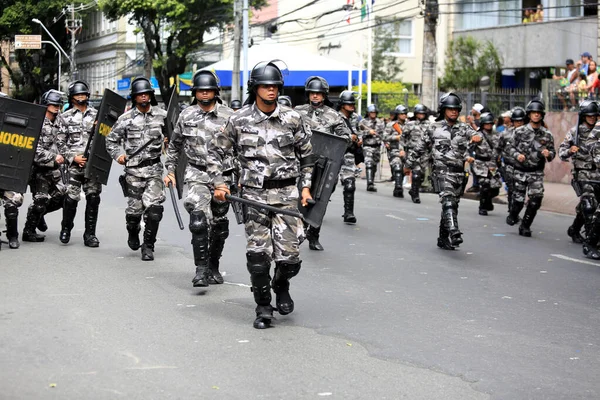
199, 167
279, 183
483, 158
593, 168
147, 163
528, 169
370, 144
441, 170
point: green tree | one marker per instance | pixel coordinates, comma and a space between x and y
37, 71
172, 29
385, 67
387, 95
467, 61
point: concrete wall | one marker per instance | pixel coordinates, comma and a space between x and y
559, 124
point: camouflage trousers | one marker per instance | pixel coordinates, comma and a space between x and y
78, 181
372, 155
528, 183
488, 177
274, 234
449, 185
11, 199
47, 184
199, 193
144, 192
393, 156
509, 177
348, 169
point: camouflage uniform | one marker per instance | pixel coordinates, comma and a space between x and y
348, 170
485, 167
529, 175
273, 153
372, 148
194, 129
508, 162
449, 147
143, 172
395, 145
411, 135
12, 201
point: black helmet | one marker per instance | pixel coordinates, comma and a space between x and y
537, 106
486, 118
78, 87
205, 79
588, 108
53, 97
316, 84
235, 104
420, 109
372, 108
400, 109
285, 100
517, 114
347, 97
450, 100
265, 73
142, 85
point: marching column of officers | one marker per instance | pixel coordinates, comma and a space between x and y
262, 151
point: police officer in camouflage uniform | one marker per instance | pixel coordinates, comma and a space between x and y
143, 125
285, 101
518, 119
372, 144
578, 146
395, 150
449, 141
209, 224
75, 133
485, 166
532, 146
411, 135
235, 105
272, 144
46, 185
319, 114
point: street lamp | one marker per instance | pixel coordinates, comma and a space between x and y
484, 85
37, 21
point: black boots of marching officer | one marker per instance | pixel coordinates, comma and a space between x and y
583, 217
152, 218
349, 189
574, 230
415, 186
515, 210
485, 200
450, 236
12, 232
91, 219
590, 244
533, 206
312, 235
218, 234
34, 214
55, 204
370, 172
284, 271
132, 222
398, 178
258, 265
69, 212
199, 229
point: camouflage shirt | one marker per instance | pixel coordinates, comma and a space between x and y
75, 130
268, 147
448, 144
412, 132
134, 129
378, 126
531, 142
47, 149
194, 130
588, 139
485, 152
390, 134
502, 147
325, 119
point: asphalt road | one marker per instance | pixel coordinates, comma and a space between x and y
382, 313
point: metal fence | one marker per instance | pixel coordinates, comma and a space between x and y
498, 100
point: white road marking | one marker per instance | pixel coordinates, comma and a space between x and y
575, 260
394, 217
237, 284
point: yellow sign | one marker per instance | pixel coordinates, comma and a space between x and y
17, 140
28, 42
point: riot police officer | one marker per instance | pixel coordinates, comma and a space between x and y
532, 146
577, 146
46, 185
235, 105
75, 134
372, 144
141, 131
285, 101
322, 117
485, 166
448, 140
395, 151
517, 117
209, 224
272, 145
411, 134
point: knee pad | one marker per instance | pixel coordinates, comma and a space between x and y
535, 203
198, 223
11, 212
219, 209
288, 269
448, 204
416, 176
39, 205
93, 199
155, 213
258, 263
397, 169
349, 185
131, 219
588, 204
221, 229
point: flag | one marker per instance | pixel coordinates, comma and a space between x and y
349, 8
363, 9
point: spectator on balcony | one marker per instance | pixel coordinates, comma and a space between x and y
584, 62
538, 16
592, 76
567, 84
528, 16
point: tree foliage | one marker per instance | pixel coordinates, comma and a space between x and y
467, 61
37, 71
385, 66
387, 95
172, 29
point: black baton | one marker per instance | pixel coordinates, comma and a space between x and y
176, 207
265, 207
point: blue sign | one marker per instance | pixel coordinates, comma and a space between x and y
154, 82
123, 84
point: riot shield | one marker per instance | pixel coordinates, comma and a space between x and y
99, 161
20, 127
170, 123
330, 150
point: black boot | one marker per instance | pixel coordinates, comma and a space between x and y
199, 229
284, 271
55, 204
590, 244
132, 222
11, 214
530, 212
443, 241
312, 234
515, 209
489, 204
349, 189
574, 230
91, 219
370, 172
69, 212
258, 265
398, 178
34, 214
450, 218
218, 234
152, 219
415, 187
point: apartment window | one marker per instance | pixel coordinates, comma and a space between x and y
403, 34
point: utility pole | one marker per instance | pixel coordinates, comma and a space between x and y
73, 25
245, 45
429, 77
237, 45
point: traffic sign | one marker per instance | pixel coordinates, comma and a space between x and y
28, 42
123, 84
